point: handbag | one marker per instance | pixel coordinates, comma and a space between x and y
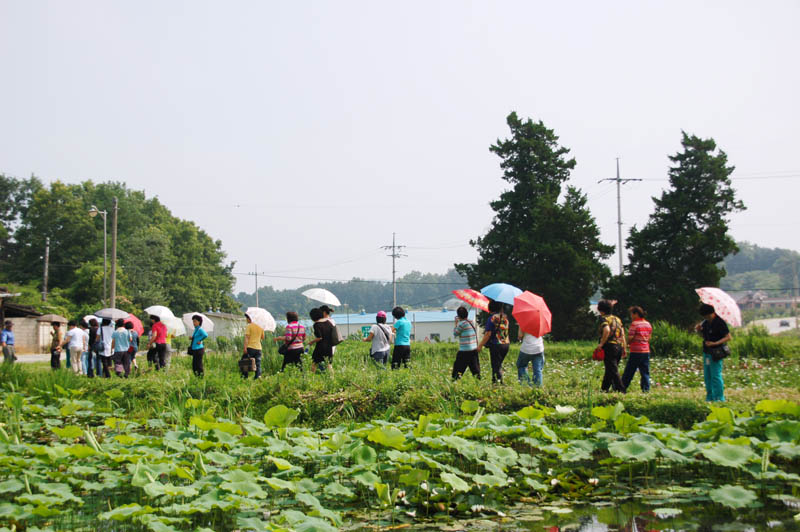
336, 336
598, 354
718, 352
284, 349
247, 364
191, 343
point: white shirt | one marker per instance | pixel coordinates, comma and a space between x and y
108, 332
532, 345
379, 340
76, 340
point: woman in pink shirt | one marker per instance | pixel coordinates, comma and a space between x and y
639, 341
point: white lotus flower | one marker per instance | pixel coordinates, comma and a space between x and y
554, 482
564, 410
594, 481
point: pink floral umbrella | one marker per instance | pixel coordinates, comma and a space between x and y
724, 305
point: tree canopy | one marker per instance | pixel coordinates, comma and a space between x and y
161, 259
543, 237
685, 239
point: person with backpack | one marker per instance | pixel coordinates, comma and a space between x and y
381, 337
612, 342
323, 340
293, 338
467, 357
496, 337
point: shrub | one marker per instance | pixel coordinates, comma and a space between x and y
757, 346
669, 340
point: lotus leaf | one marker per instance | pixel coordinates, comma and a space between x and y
80, 450
535, 484
721, 414
414, 477
503, 455
732, 496
11, 485
608, 413
334, 489
632, 450
682, 445
219, 458
778, 406
667, 513
490, 480
387, 436
69, 432
280, 416
785, 430
367, 478
280, 484
364, 455
672, 456
469, 407
530, 412
728, 455
280, 463
455, 482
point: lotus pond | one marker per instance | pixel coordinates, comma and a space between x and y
72, 463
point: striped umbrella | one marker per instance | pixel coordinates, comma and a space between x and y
473, 298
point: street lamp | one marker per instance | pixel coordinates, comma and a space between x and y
94, 211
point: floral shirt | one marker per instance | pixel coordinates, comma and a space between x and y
615, 329
498, 326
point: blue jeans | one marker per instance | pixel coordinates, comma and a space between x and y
522, 367
380, 358
712, 376
640, 361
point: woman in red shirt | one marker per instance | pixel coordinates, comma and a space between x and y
639, 341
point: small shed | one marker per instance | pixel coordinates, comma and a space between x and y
30, 334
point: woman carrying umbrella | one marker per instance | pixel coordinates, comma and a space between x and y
612, 341
496, 337
322, 357
715, 335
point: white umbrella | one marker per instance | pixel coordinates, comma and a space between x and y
160, 311
91, 317
174, 326
262, 318
323, 296
207, 325
111, 313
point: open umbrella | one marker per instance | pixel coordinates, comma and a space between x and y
207, 324
262, 318
111, 314
91, 317
323, 296
52, 317
174, 326
532, 314
137, 324
724, 305
160, 311
473, 298
505, 293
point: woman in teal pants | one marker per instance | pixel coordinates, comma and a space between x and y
715, 333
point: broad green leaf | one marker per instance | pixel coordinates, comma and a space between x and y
69, 432
367, 478
280, 484
778, 406
334, 489
632, 450
489, 480
530, 412
414, 477
387, 436
784, 430
364, 455
469, 407
721, 414
728, 455
733, 496
11, 485
682, 445
455, 482
280, 463
80, 451
280, 416
382, 491
609, 413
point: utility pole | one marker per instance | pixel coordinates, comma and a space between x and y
46, 267
794, 292
255, 274
395, 254
619, 182
114, 254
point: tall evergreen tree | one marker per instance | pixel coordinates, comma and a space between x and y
686, 238
539, 240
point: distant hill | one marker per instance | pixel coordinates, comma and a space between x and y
415, 290
757, 268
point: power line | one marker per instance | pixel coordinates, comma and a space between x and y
619, 182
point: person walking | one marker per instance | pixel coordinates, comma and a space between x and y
530, 352
158, 342
196, 347
639, 344
715, 335
612, 341
7, 342
467, 334
496, 337
107, 357
401, 328
253, 334
75, 344
381, 337
134, 348
326, 315
120, 346
56, 339
293, 337
95, 348
85, 360
322, 356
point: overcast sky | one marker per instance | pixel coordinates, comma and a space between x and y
302, 134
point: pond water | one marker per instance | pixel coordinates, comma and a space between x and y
608, 517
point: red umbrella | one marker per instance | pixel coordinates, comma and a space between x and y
532, 314
473, 298
137, 324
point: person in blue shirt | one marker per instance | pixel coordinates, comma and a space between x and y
7, 342
134, 348
197, 349
402, 338
120, 345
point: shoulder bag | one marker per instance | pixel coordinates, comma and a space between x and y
191, 342
284, 349
718, 352
99, 345
388, 339
336, 336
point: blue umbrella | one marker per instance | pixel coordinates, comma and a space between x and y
505, 293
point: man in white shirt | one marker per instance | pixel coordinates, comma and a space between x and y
75, 341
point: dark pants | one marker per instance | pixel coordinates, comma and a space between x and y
611, 377
122, 360
497, 354
640, 361
107, 363
91, 356
256, 354
293, 357
160, 356
464, 360
401, 355
197, 360
380, 358
55, 359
